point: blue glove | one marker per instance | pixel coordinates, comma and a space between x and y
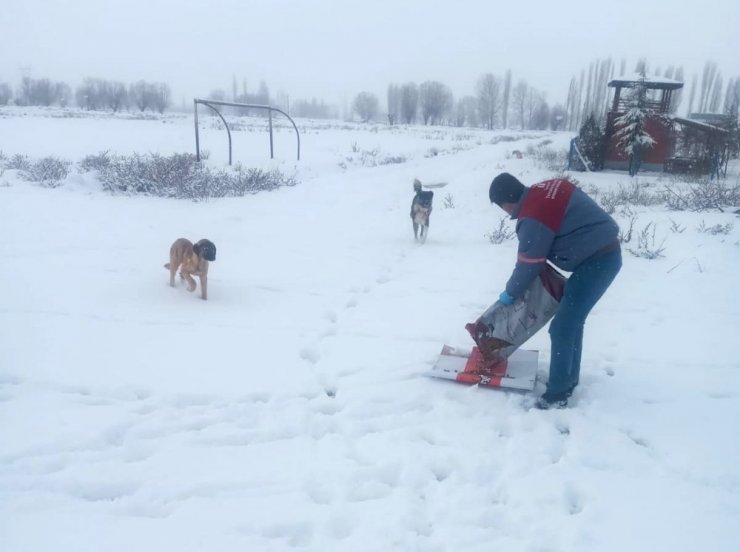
505, 298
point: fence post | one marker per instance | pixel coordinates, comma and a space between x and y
269, 116
197, 138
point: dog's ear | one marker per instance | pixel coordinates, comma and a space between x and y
196, 249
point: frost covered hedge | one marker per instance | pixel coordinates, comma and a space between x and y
179, 176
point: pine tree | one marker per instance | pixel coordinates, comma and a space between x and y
591, 143
632, 136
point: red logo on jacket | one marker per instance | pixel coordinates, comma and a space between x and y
547, 201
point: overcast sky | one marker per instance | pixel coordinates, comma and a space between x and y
336, 48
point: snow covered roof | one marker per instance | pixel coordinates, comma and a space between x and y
652, 81
700, 125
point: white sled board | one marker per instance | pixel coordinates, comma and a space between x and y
518, 372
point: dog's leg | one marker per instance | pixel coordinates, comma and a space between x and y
172, 266
204, 286
191, 282
416, 231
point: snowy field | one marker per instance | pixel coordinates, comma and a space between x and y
291, 411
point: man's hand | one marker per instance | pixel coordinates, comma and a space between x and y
505, 298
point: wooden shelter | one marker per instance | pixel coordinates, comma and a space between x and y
658, 122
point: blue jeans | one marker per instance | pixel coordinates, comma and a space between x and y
584, 288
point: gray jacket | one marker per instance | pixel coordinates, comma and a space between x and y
584, 230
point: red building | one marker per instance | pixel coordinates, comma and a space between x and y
658, 123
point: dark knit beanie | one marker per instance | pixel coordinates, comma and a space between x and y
505, 188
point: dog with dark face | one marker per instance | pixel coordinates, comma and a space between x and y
421, 208
192, 260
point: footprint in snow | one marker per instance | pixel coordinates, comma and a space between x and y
310, 354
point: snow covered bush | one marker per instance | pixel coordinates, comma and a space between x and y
180, 176
546, 157
677, 228
96, 162
392, 160
448, 202
717, 229
636, 193
242, 181
18, 162
502, 233
625, 234
48, 171
646, 246
701, 196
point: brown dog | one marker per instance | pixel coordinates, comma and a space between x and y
192, 260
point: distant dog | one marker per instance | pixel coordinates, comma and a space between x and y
420, 218
192, 260
421, 208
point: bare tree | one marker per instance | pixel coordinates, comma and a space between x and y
25, 92
558, 117
520, 100
116, 95
677, 96
466, 111
459, 113
533, 102
587, 104
732, 95
571, 107
470, 107
6, 94
394, 104
488, 91
505, 101
409, 102
263, 94
692, 93
541, 115
708, 79
580, 97
141, 95
365, 105
315, 109
713, 105
38, 92
162, 96
435, 99
63, 94
90, 94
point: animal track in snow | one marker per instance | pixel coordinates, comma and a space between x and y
310, 354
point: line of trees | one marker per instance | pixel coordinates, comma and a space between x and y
496, 103
92, 94
589, 95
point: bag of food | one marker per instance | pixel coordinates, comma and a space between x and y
502, 329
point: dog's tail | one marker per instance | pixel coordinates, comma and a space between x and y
167, 266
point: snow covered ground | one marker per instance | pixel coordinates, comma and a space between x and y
290, 410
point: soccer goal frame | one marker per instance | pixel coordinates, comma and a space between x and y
213, 103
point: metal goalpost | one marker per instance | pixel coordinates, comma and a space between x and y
212, 103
